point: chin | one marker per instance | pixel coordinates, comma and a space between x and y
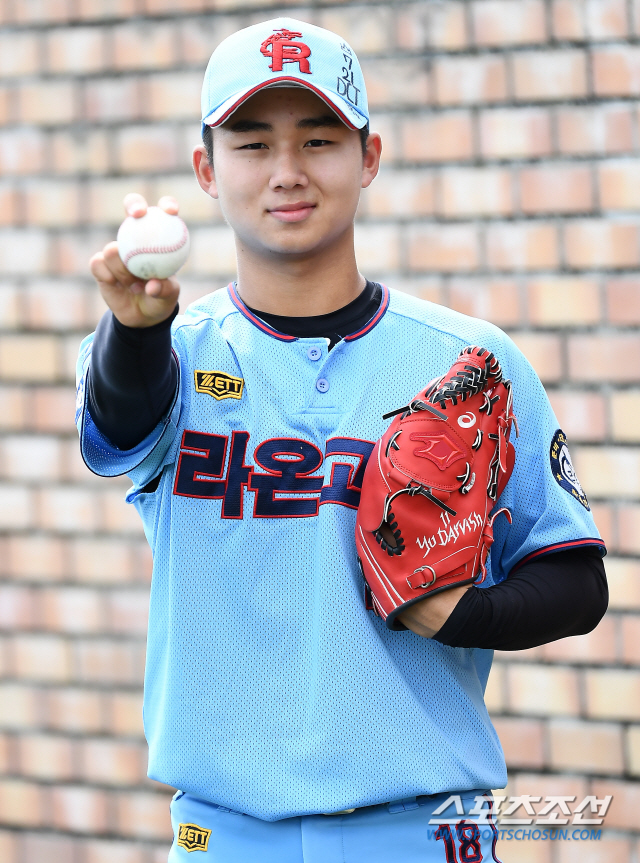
307, 243
289, 246
292, 251
297, 240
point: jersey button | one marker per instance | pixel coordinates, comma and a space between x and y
322, 385
314, 354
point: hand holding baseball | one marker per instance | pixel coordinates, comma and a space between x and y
141, 300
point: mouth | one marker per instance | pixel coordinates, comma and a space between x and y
292, 212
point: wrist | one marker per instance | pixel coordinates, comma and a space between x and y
158, 325
142, 322
135, 336
429, 615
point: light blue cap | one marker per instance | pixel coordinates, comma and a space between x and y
284, 52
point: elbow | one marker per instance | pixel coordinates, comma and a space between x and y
599, 601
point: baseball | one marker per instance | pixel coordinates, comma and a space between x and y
154, 246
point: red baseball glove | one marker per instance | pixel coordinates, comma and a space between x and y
424, 523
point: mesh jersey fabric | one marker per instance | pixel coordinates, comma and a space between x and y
269, 688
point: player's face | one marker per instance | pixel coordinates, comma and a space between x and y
288, 174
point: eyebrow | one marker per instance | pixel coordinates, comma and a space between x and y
249, 126
307, 123
316, 122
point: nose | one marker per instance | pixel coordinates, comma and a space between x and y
288, 171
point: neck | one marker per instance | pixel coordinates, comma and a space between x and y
299, 286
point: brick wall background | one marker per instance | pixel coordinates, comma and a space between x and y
510, 190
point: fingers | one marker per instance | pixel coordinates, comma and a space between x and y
135, 205
169, 204
100, 271
162, 288
103, 267
114, 263
107, 269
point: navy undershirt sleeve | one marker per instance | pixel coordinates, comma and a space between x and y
132, 379
551, 597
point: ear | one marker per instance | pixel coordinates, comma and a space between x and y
371, 163
204, 171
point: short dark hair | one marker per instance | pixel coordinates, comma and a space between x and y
207, 140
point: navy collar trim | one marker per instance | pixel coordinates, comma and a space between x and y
283, 337
382, 308
255, 320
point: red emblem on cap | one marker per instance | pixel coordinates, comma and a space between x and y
438, 448
282, 49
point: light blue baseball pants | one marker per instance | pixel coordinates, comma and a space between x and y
397, 832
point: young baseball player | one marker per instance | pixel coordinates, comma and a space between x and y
296, 723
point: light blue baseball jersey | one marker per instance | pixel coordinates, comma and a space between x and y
269, 688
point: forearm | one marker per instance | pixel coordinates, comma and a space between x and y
132, 379
551, 597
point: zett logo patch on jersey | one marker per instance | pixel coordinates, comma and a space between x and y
192, 837
219, 385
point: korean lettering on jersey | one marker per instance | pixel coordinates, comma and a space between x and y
282, 466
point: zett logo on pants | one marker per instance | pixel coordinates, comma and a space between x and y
192, 837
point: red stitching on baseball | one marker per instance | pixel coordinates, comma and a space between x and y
150, 250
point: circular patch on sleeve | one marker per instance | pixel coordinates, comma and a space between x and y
562, 468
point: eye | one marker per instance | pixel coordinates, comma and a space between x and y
317, 142
256, 146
